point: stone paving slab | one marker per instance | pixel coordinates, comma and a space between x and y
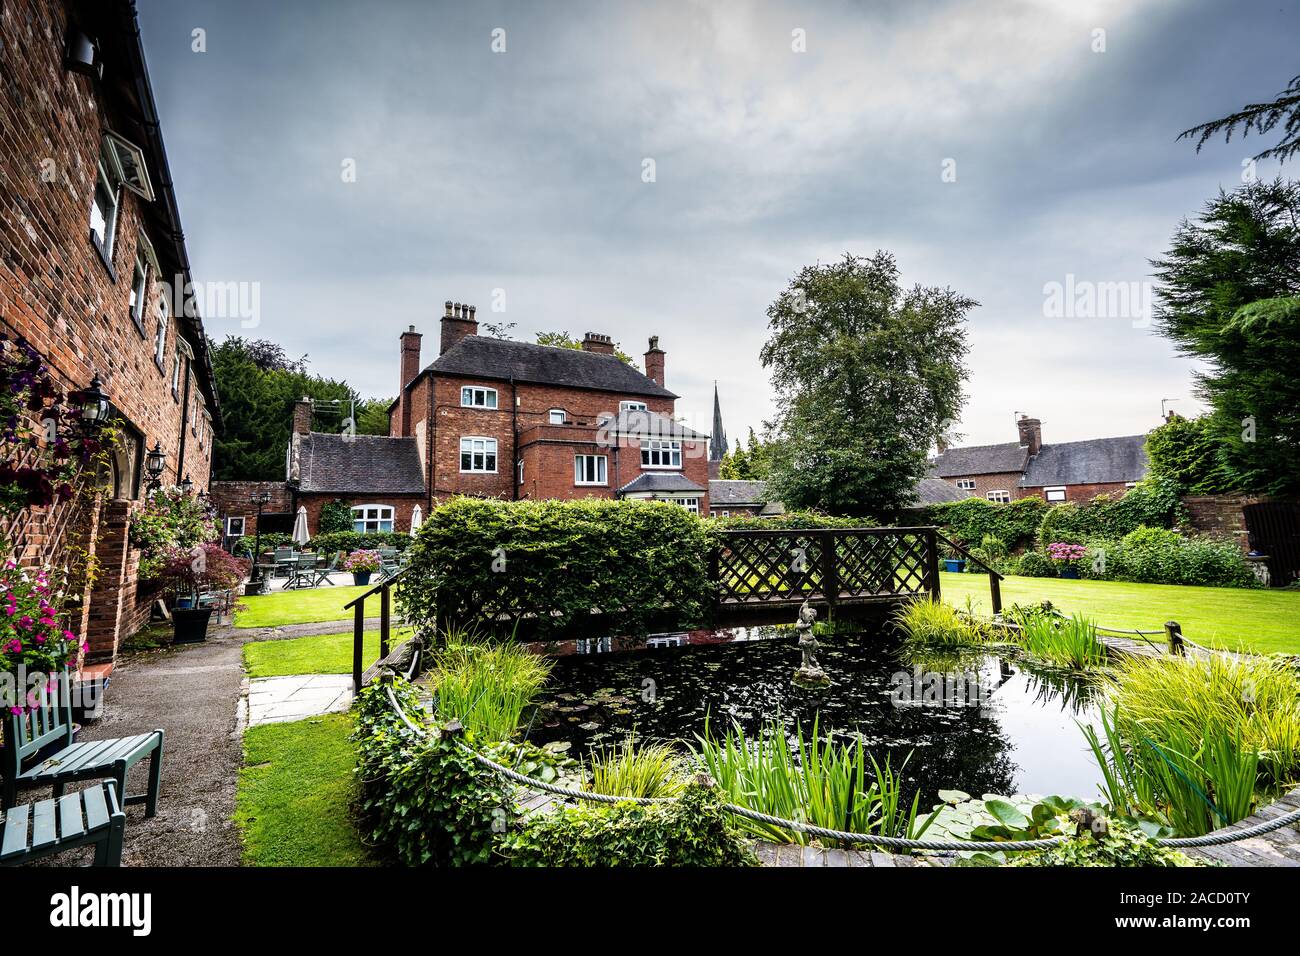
278, 699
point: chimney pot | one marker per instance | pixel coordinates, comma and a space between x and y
598, 342
458, 323
448, 307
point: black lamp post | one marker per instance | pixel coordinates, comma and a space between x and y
154, 463
261, 499
187, 485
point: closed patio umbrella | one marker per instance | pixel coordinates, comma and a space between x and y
417, 518
300, 535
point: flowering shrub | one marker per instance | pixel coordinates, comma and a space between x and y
186, 572
170, 520
362, 561
1064, 553
32, 637
35, 413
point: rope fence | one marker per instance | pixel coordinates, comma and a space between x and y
1218, 838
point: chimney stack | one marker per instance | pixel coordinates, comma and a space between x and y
654, 361
410, 368
1031, 433
302, 416
598, 342
457, 322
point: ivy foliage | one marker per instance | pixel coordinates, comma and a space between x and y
633, 560
690, 831
335, 516
971, 520
423, 797
1153, 503
1185, 452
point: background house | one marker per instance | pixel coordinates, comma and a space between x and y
497, 418
90, 227
1064, 471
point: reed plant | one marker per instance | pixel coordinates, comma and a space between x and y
487, 687
1070, 642
813, 780
637, 770
933, 623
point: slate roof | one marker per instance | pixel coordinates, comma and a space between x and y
736, 492
935, 491
646, 424
481, 356
980, 460
1095, 461
364, 464
665, 482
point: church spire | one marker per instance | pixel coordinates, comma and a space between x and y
718, 441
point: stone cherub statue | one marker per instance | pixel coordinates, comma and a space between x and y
810, 673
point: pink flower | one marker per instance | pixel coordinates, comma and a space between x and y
15, 646
25, 622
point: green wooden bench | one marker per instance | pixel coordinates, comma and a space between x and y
90, 816
46, 725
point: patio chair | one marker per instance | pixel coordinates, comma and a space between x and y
389, 563
322, 574
302, 572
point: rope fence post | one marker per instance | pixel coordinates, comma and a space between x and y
1175, 635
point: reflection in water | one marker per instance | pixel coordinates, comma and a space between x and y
982, 723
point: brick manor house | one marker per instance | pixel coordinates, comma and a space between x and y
89, 228
492, 418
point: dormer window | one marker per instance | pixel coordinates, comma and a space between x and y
556, 416
474, 396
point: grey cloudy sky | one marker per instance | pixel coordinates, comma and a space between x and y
522, 171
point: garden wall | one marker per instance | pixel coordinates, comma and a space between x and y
1220, 516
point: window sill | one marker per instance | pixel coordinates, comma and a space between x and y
591, 484
474, 472
139, 325
104, 257
645, 467
162, 366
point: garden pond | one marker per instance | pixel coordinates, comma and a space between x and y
981, 722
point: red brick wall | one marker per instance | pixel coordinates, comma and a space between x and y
235, 499
402, 506
1081, 493
985, 483
1220, 516
55, 290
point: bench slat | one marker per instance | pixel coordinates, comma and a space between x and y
44, 832
68, 760
96, 809
15, 831
70, 822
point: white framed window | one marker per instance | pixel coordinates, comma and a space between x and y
160, 337
999, 497
103, 210
632, 407
661, 454
590, 469
139, 288
176, 375
475, 396
372, 518
125, 161
235, 527
478, 454
965, 484
556, 416
1054, 494
690, 504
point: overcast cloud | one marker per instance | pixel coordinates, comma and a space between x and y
522, 171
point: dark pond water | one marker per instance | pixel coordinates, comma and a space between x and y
983, 723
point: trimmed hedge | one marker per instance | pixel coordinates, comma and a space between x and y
971, 520
1154, 556
350, 541
556, 562
790, 521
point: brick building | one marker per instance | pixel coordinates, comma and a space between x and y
91, 249
496, 418
1064, 471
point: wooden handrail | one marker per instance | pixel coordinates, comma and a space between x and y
995, 578
384, 589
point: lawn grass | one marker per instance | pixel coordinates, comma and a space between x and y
316, 654
1263, 621
293, 805
301, 607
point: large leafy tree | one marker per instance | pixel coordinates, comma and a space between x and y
1186, 452
866, 374
258, 387
1229, 294
753, 461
